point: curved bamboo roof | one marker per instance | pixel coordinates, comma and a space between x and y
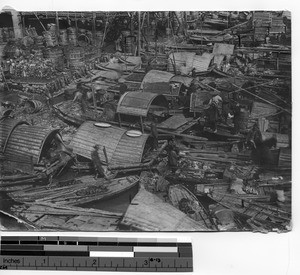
7, 125
138, 103
27, 141
121, 149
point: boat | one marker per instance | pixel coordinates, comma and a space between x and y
50, 217
187, 202
148, 212
78, 191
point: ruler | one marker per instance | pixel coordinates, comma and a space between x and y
96, 254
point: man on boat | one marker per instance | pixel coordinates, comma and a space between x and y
173, 152
97, 163
82, 96
214, 112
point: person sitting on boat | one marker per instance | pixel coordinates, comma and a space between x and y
213, 112
254, 136
97, 163
83, 95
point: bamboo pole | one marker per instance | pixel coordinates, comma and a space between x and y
139, 34
273, 104
57, 24
40, 22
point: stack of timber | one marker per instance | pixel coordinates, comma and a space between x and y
147, 212
260, 212
76, 192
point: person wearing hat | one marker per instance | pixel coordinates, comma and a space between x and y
97, 163
82, 96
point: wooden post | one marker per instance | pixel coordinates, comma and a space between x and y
76, 27
119, 118
142, 125
105, 154
57, 24
94, 25
139, 33
94, 99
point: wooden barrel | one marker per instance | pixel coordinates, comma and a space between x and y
76, 57
128, 44
39, 41
72, 36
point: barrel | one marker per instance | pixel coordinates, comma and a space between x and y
128, 44
72, 36
126, 33
39, 41
76, 58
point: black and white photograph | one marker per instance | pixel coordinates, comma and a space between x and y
156, 121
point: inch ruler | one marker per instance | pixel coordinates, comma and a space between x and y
96, 254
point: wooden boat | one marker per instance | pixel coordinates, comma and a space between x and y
78, 191
62, 218
186, 201
247, 205
147, 212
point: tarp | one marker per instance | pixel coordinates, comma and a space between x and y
155, 76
